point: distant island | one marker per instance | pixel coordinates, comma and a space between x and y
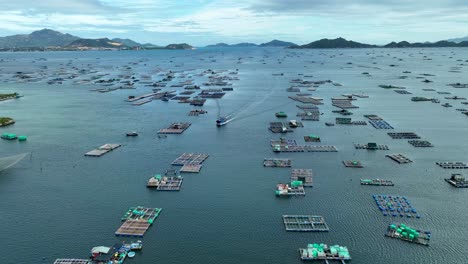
50, 40
341, 43
273, 43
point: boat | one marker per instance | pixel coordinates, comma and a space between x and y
293, 123
329, 124
281, 114
222, 121
132, 134
131, 254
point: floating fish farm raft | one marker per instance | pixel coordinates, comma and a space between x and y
343, 103
305, 223
309, 115
452, 165
197, 112
72, 261
306, 100
457, 180
175, 128
102, 150
402, 92
190, 158
376, 182
395, 206
371, 146
165, 183
137, 220
380, 124
404, 135
420, 143
294, 189
399, 158
279, 127
311, 138
325, 253
281, 163
353, 164
304, 175
408, 234
304, 148
348, 121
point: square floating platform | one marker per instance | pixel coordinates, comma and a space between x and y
191, 168
165, 183
133, 228
190, 159
305, 223
304, 175
399, 158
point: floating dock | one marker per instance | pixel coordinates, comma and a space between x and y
281, 163
304, 175
102, 150
457, 180
325, 253
165, 183
371, 146
404, 135
305, 223
452, 165
175, 128
395, 206
420, 143
399, 158
408, 234
376, 182
353, 164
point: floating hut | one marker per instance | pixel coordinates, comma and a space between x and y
294, 189
406, 233
457, 180
325, 253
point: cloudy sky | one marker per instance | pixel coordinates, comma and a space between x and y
201, 22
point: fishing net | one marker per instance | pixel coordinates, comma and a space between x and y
7, 162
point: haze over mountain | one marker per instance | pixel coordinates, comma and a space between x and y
458, 40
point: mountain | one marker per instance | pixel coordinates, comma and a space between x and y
95, 43
339, 43
41, 38
438, 44
277, 43
238, 45
218, 45
128, 42
458, 40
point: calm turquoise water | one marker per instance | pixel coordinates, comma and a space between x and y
57, 203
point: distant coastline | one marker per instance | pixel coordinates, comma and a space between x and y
50, 40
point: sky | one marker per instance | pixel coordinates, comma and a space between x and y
202, 22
